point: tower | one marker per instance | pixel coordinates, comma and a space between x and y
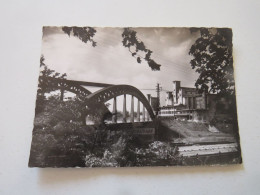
176, 88
169, 98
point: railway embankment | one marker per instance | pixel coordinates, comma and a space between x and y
191, 132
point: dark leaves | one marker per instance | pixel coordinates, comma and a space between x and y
148, 55
44, 85
85, 34
42, 61
213, 60
94, 44
194, 30
153, 65
130, 40
67, 30
134, 46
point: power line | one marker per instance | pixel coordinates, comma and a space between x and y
161, 89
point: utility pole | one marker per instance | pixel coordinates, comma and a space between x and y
158, 89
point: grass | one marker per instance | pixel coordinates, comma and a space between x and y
196, 132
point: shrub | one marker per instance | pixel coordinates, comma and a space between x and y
108, 160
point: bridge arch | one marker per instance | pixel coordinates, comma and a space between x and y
96, 101
107, 93
72, 86
66, 85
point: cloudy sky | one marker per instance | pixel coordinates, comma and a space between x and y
110, 62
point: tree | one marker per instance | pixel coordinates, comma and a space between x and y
130, 40
45, 85
212, 59
85, 34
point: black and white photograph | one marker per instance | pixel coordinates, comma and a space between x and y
135, 97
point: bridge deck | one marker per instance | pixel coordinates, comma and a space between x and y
89, 84
120, 126
82, 83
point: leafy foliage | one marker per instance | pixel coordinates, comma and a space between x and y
56, 111
108, 160
213, 60
158, 150
44, 84
131, 41
85, 34
59, 137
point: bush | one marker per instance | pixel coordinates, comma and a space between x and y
108, 160
158, 153
125, 153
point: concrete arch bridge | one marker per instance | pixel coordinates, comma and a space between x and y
95, 102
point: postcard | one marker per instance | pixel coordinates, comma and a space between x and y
135, 97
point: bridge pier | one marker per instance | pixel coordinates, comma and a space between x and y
138, 111
114, 117
132, 110
143, 116
61, 94
149, 100
124, 109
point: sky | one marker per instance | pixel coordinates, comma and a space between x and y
111, 62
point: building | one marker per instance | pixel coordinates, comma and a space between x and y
185, 96
186, 103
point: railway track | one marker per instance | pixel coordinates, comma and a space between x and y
212, 149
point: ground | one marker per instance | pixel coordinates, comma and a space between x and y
196, 132
66, 145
